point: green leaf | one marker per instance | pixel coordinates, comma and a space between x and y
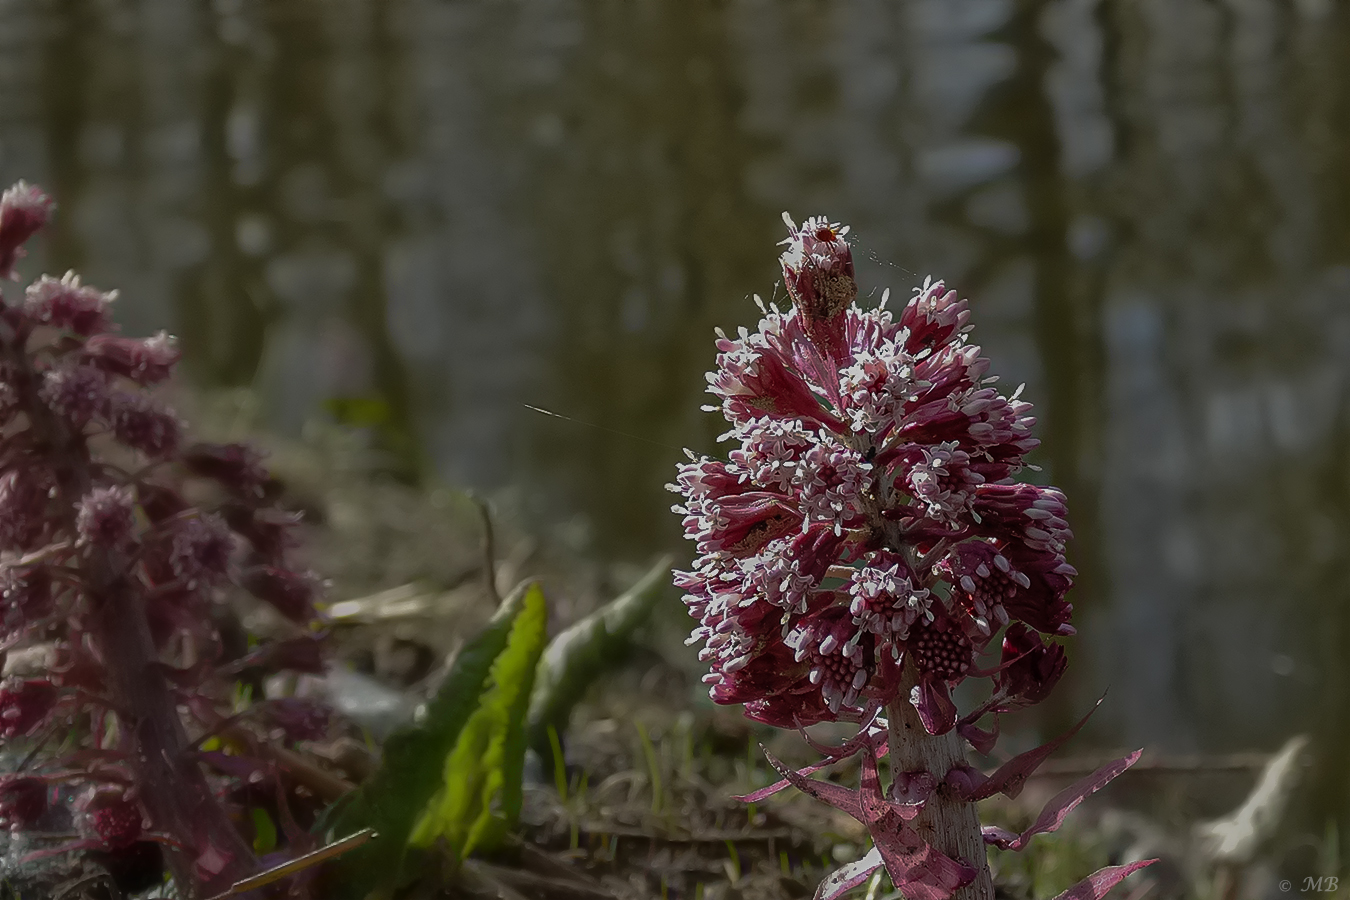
264, 831
482, 794
581, 653
358, 412
412, 770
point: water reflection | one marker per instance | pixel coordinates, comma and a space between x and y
456, 207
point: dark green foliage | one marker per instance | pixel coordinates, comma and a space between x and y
456, 777
577, 656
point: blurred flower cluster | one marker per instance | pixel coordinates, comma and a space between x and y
119, 540
870, 515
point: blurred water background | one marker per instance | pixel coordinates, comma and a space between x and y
425, 214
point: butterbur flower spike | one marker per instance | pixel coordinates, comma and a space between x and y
865, 542
104, 560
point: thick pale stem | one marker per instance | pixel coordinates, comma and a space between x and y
947, 822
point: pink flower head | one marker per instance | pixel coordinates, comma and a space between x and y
882, 433
23, 210
885, 599
1030, 667
111, 817
145, 361
139, 422
107, 516
77, 393
200, 549
67, 304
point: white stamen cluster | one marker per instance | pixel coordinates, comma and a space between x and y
884, 599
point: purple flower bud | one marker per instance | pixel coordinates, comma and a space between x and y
142, 424
200, 549
940, 650
292, 594
934, 317
818, 271
67, 304
754, 379
25, 705
145, 361
1024, 514
1032, 666
78, 393
771, 674
814, 551
107, 517
838, 656
23, 210
746, 522
1044, 578
111, 817
885, 599
238, 467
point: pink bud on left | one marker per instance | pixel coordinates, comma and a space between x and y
67, 304
23, 210
818, 272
